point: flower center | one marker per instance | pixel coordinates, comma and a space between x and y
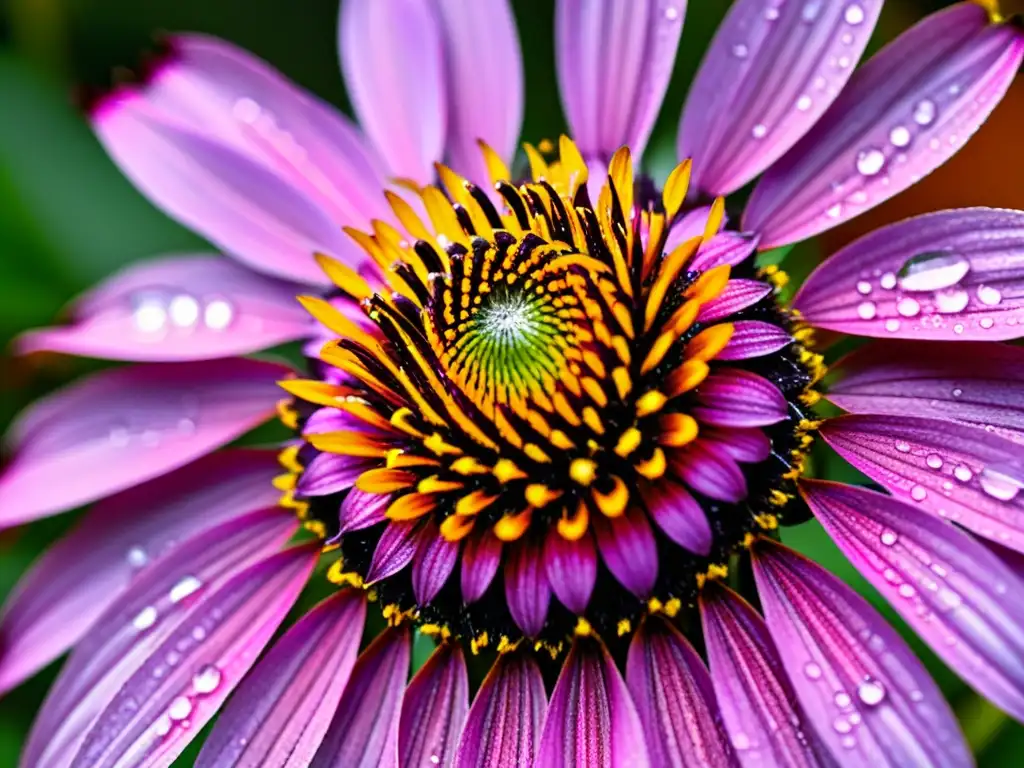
548, 418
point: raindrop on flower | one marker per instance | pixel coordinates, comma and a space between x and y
835, 211
741, 742
206, 679
740, 51
924, 112
918, 493
888, 538
989, 296
888, 281
870, 161
163, 725
933, 271
145, 618
854, 14
866, 310
810, 10
180, 708
986, 322
951, 301
246, 110
871, 692
184, 588
899, 136
218, 315
908, 307
184, 311
842, 725
137, 557
864, 287
812, 670
803, 103
892, 325
1001, 482
759, 131
842, 699
672, 13
150, 315
903, 447
934, 461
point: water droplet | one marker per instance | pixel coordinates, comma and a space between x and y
963, 474
871, 692
989, 296
180, 708
934, 461
899, 136
206, 679
892, 325
918, 493
145, 618
835, 211
672, 13
888, 281
1001, 482
916, 695
849, 742
741, 741
812, 670
218, 315
246, 110
759, 131
933, 271
810, 10
888, 538
903, 447
951, 301
863, 287
771, 14
149, 315
854, 14
907, 590
986, 322
842, 725
866, 310
163, 725
184, 588
958, 328
803, 103
870, 161
844, 62
908, 307
954, 89
740, 51
184, 311
924, 112
949, 599
137, 557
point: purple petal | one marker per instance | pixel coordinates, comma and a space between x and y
770, 74
629, 550
689, 226
710, 471
485, 82
758, 705
746, 445
949, 587
571, 568
868, 697
233, 97
673, 696
178, 308
395, 549
955, 274
678, 515
739, 294
615, 58
730, 248
361, 510
591, 720
903, 114
156, 605
526, 587
394, 65
77, 578
480, 561
283, 707
907, 378
434, 709
165, 704
432, 565
754, 338
364, 732
330, 473
121, 427
735, 398
504, 723
232, 199
962, 473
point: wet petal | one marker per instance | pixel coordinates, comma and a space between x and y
675, 701
395, 549
919, 99
393, 60
283, 707
432, 565
739, 294
434, 709
710, 470
959, 472
77, 578
727, 248
480, 561
629, 550
754, 338
526, 587
955, 274
760, 709
121, 427
736, 398
869, 698
145, 723
949, 587
614, 63
364, 732
178, 308
971, 382
485, 82
678, 515
571, 568
770, 74
155, 606
591, 720
504, 723
230, 198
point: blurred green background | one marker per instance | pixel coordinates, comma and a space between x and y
68, 218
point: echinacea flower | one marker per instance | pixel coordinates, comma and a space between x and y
553, 424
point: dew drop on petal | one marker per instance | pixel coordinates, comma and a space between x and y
951, 301
741, 742
145, 618
854, 14
163, 725
899, 136
812, 670
934, 461
866, 310
908, 307
864, 287
206, 679
870, 162
740, 51
759, 131
184, 588
1000, 482
803, 103
933, 271
888, 538
672, 13
918, 493
149, 315
246, 110
137, 557
903, 447
835, 211
183, 310
180, 708
924, 112
892, 325
842, 700
989, 296
888, 281
871, 692
218, 315
810, 10
842, 725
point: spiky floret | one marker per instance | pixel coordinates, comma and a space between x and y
528, 369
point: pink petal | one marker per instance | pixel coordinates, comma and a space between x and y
726, 248
571, 568
434, 709
907, 378
770, 74
178, 308
710, 471
954, 471
629, 550
361, 510
615, 58
235, 98
919, 99
395, 549
145, 723
949, 587
432, 565
866, 694
394, 65
736, 398
480, 561
675, 701
526, 587
121, 427
331, 473
77, 578
485, 82
950, 275
758, 705
754, 338
156, 605
504, 723
739, 294
678, 515
744, 445
591, 721
282, 709
364, 732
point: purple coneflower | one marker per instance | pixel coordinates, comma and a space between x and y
552, 424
